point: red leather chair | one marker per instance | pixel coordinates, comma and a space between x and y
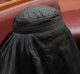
7, 14
72, 20
70, 11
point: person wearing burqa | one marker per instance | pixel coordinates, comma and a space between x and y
39, 44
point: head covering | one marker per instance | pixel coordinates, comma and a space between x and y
35, 19
39, 44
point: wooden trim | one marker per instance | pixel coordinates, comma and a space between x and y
11, 3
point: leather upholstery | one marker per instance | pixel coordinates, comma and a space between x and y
72, 20
70, 10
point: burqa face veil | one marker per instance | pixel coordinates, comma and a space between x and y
39, 44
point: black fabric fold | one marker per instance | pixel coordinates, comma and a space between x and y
49, 49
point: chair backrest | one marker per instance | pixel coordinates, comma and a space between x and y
72, 21
7, 14
70, 10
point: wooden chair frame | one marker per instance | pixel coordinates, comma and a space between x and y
11, 3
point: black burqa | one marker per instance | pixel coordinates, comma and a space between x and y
39, 44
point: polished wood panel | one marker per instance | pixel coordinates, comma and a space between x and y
11, 3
